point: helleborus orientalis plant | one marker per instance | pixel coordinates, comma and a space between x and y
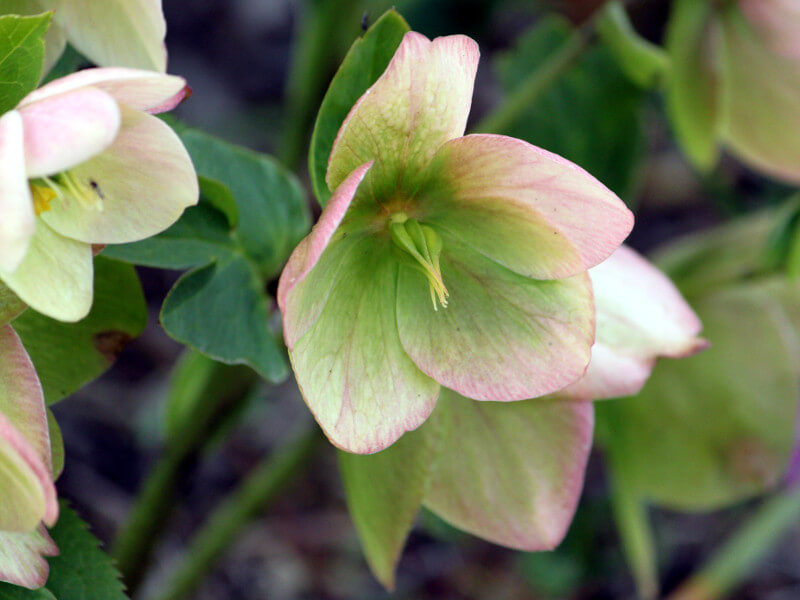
727, 59
512, 472
440, 260
110, 33
27, 492
83, 163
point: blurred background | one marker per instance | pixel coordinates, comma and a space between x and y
237, 56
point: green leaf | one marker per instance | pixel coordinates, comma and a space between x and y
220, 197
21, 56
222, 311
69, 355
643, 62
564, 119
82, 571
13, 592
10, 305
384, 494
272, 213
364, 63
718, 427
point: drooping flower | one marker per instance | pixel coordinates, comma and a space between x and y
735, 81
27, 492
82, 163
440, 260
110, 33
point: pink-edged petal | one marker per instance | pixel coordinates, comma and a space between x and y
511, 473
65, 130
363, 389
421, 101
777, 22
761, 100
27, 493
56, 277
300, 313
16, 206
144, 181
129, 33
556, 219
640, 316
143, 90
22, 557
502, 336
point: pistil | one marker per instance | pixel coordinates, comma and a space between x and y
421, 246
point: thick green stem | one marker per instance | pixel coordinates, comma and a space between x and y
737, 558
260, 488
223, 388
538, 82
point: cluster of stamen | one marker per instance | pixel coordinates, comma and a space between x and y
420, 247
65, 187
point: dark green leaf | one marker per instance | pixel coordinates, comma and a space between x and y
13, 592
221, 310
565, 119
220, 197
21, 56
69, 355
366, 60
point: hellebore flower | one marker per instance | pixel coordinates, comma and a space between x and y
110, 33
440, 260
735, 81
82, 163
27, 492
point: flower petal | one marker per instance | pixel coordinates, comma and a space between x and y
755, 76
777, 22
65, 130
56, 276
28, 493
512, 472
16, 206
116, 32
143, 90
145, 180
421, 101
502, 336
21, 557
351, 368
556, 220
640, 316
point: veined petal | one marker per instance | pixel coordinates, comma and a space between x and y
143, 183
523, 207
777, 22
16, 207
22, 557
143, 90
502, 336
421, 101
351, 368
28, 495
511, 472
64, 130
640, 317
301, 310
56, 276
761, 100
115, 32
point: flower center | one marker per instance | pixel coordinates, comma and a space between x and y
65, 187
420, 247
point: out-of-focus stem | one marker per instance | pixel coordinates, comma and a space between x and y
539, 81
737, 558
225, 386
257, 491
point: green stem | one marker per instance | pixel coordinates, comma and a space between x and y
737, 558
260, 488
538, 82
223, 388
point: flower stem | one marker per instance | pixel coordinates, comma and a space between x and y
515, 104
738, 557
258, 490
223, 388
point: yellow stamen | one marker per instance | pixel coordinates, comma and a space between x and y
423, 245
42, 197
